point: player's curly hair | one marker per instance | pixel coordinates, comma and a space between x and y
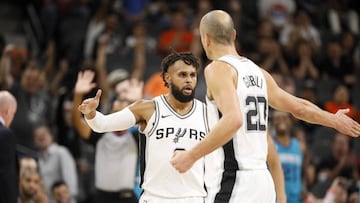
187, 57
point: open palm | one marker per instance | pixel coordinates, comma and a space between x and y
84, 83
346, 125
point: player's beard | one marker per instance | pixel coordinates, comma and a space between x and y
180, 96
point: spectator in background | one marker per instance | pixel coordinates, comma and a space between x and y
291, 155
269, 52
139, 35
338, 192
34, 103
112, 38
143, 46
270, 57
342, 190
31, 189
61, 193
106, 81
304, 67
8, 172
278, 11
177, 38
341, 162
301, 28
264, 30
55, 161
115, 182
334, 65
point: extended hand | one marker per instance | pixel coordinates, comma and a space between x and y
89, 105
182, 161
345, 124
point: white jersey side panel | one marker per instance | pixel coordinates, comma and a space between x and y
248, 148
167, 131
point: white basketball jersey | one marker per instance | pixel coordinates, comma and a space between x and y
165, 132
247, 150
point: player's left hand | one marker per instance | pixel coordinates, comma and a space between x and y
182, 160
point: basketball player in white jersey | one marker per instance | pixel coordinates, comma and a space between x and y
175, 121
241, 92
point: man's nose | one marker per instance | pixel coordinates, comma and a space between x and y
188, 79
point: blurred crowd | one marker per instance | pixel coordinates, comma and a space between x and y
311, 47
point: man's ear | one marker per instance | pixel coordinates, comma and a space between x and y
234, 35
167, 77
207, 40
7, 111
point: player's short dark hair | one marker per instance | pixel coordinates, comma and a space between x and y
57, 184
187, 57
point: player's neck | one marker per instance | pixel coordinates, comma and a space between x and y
220, 50
181, 108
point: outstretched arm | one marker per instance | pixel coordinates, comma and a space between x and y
304, 110
99, 122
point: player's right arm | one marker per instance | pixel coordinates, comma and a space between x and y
221, 86
136, 113
304, 110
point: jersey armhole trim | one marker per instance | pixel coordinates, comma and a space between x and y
157, 116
